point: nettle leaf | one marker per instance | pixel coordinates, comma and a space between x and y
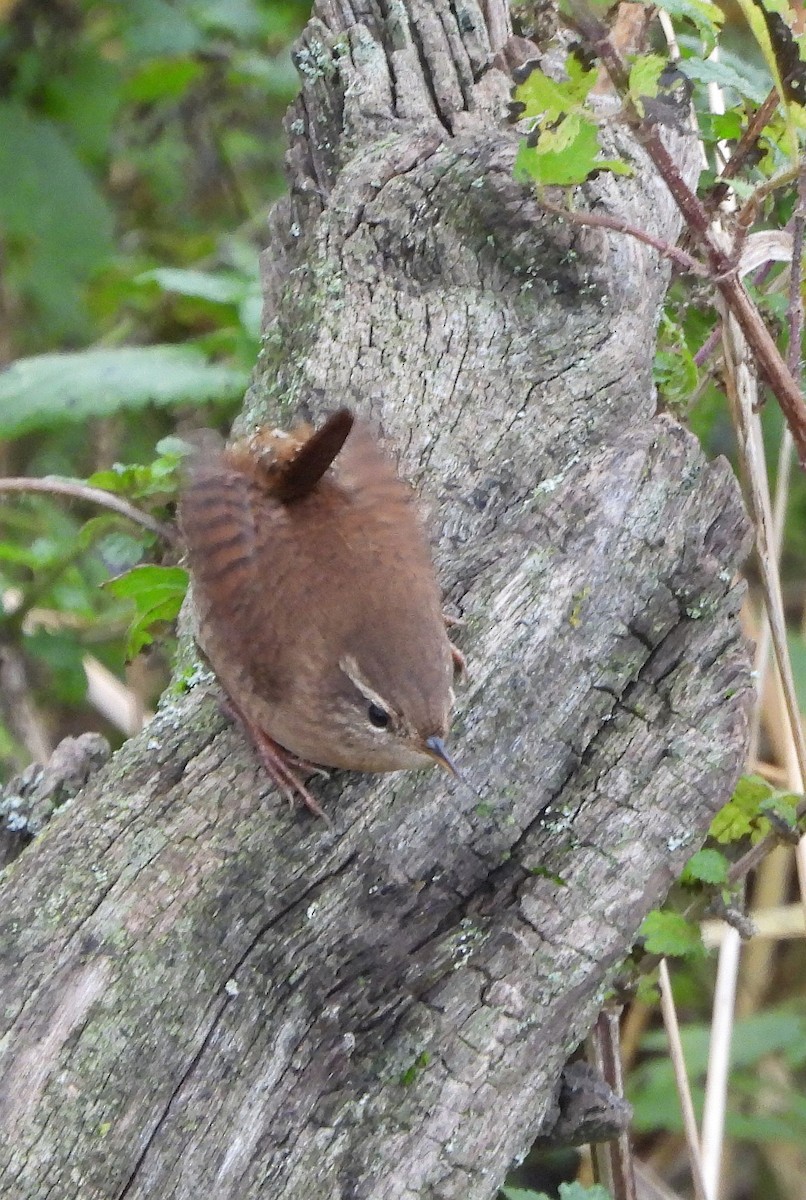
706, 866
578, 1191
671, 935
157, 594
706, 17
742, 816
750, 82
50, 389
675, 370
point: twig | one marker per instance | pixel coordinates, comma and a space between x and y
795, 326
747, 213
698, 220
747, 143
681, 1079
52, 485
601, 221
614, 1160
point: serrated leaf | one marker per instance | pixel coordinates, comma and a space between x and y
578, 1191
573, 164
51, 389
551, 98
706, 17
741, 817
749, 82
671, 935
706, 866
139, 481
727, 125
645, 74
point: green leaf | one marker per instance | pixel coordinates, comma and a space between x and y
157, 594
51, 389
149, 583
706, 866
217, 288
64, 658
741, 817
645, 74
670, 934
784, 807
573, 163
727, 125
707, 18
675, 370
749, 82
56, 225
577, 1191
162, 79
155, 27
140, 481
550, 99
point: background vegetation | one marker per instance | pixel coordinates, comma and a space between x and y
140, 149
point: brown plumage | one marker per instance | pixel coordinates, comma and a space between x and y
318, 606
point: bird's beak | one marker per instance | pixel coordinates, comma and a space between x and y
436, 748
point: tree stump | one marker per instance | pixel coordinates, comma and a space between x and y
206, 994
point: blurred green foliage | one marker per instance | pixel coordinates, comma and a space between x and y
141, 147
779, 1031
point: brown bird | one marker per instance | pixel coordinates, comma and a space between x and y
317, 602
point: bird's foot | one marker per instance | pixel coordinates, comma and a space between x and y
279, 764
459, 660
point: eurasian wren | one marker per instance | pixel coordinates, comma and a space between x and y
317, 602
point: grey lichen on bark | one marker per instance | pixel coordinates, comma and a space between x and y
207, 994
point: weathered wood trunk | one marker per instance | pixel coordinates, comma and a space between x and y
205, 994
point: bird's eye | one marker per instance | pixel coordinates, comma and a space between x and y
378, 716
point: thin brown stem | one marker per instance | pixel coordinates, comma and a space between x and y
795, 310
614, 1160
601, 221
747, 144
53, 486
698, 219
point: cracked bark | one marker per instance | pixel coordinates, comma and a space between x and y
204, 994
